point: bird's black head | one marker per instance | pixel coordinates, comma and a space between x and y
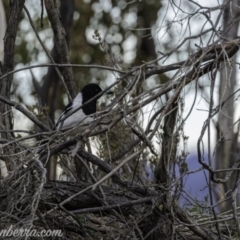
88, 92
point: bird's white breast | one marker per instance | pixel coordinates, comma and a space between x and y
77, 118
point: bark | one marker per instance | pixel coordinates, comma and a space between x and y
147, 16
2, 28
6, 121
60, 40
56, 192
169, 147
227, 142
48, 91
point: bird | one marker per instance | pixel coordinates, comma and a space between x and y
84, 114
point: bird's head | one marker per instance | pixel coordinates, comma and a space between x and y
91, 90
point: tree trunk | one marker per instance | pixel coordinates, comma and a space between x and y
48, 91
2, 28
225, 135
3, 169
6, 121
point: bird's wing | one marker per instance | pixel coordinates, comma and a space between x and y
67, 109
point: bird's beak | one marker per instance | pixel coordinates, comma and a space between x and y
108, 93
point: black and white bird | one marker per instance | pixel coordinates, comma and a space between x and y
84, 114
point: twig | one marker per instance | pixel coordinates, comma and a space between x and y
29, 115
